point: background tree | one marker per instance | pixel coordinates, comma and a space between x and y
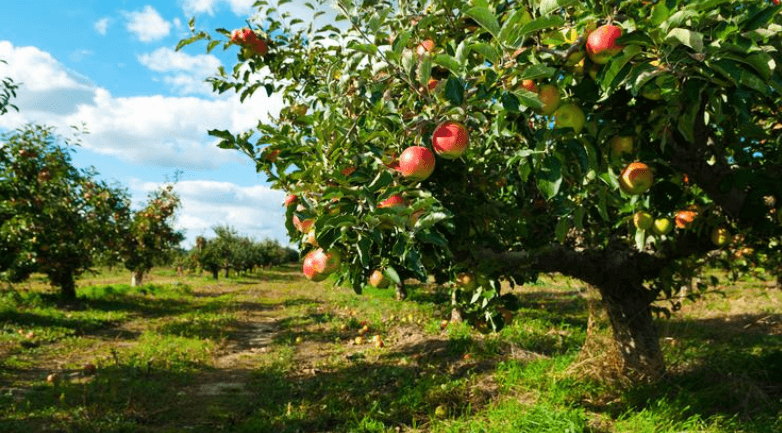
150, 236
569, 137
54, 218
7, 92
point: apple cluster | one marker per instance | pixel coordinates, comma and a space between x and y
249, 41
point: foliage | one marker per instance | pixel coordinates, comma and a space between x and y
7, 92
697, 85
150, 237
54, 218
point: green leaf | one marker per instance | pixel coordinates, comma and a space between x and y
550, 177
454, 91
364, 254
485, 18
510, 102
548, 6
640, 239
538, 71
487, 51
561, 229
400, 42
689, 38
526, 98
430, 220
660, 13
616, 65
541, 23
392, 275
425, 70
448, 62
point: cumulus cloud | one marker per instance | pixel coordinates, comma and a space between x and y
238, 7
184, 72
102, 26
155, 130
254, 211
147, 24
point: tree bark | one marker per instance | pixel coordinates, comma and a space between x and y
401, 292
635, 334
136, 278
67, 285
215, 273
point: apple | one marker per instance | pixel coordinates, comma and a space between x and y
720, 236
432, 84
601, 44
549, 96
450, 139
684, 218
620, 145
643, 220
379, 343
416, 163
662, 226
466, 281
570, 116
378, 280
318, 264
395, 200
360, 340
303, 226
310, 238
271, 155
424, 47
636, 178
299, 110
529, 85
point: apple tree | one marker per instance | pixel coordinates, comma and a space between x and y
492, 141
150, 236
7, 92
54, 218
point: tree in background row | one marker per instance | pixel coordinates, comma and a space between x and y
54, 219
626, 144
150, 236
228, 250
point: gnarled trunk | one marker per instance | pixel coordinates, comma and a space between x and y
635, 334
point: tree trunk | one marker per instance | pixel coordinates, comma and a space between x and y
226, 272
634, 332
401, 292
215, 273
67, 285
136, 278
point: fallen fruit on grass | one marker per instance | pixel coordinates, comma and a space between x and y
441, 411
360, 340
53, 378
444, 324
363, 330
379, 344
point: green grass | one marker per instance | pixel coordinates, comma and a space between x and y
273, 352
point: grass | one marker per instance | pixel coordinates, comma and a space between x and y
272, 352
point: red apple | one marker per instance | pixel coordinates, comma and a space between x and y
636, 178
416, 163
529, 85
549, 96
290, 199
570, 116
318, 264
450, 139
424, 47
395, 200
432, 84
684, 218
601, 44
303, 226
378, 280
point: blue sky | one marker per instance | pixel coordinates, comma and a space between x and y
112, 66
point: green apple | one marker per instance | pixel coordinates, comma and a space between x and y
636, 178
570, 116
643, 220
662, 226
549, 96
720, 236
621, 145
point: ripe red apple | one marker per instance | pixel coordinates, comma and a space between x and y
643, 220
636, 178
684, 218
432, 84
662, 226
425, 47
549, 96
318, 264
290, 199
416, 163
303, 226
570, 116
450, 139
529, 85
621, 145
601, 44
378, 280
395, 200
720, 236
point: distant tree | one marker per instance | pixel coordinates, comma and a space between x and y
54, 218
150, 236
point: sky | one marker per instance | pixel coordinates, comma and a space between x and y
111, 66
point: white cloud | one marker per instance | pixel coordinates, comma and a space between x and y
186, 73
238, 7
254, 211
147, 24
102, 26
